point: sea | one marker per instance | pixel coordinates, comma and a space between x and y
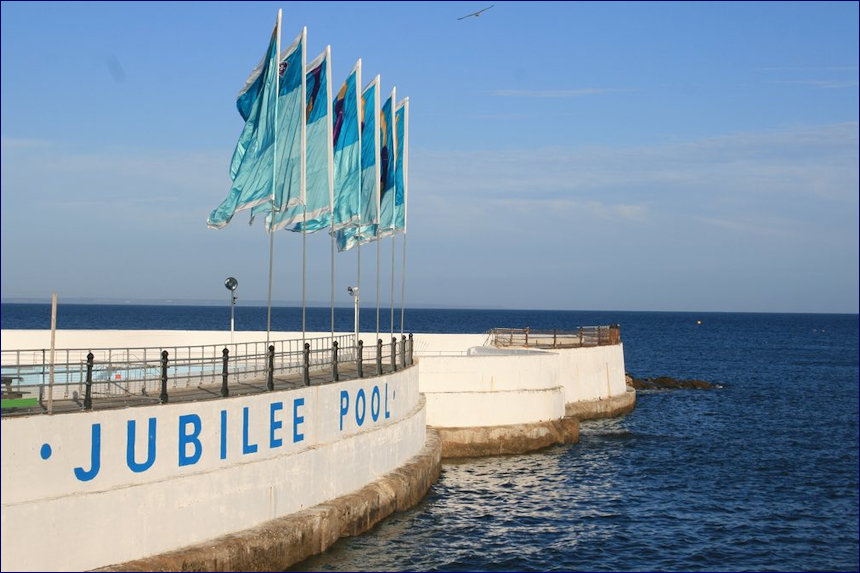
758, 474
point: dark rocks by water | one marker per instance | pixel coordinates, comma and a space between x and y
668, 383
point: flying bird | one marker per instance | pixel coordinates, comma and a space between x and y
476, 14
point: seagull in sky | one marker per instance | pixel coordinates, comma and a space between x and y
476, 14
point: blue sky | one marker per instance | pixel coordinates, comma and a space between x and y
594, 156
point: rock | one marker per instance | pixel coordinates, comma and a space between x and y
667, 383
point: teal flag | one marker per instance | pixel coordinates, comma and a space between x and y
387, 154
252, 164
290, 168
347, 151
315, 215
401, 164
365, 231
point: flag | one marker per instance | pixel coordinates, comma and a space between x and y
401, 165
290, 170
316, 213
347, 151
251, 168
387, 154
369, 216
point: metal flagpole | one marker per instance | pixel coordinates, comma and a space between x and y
332, 286
393, 241
405, 155
358, 284
274, 179
304, 267
377, 281
403, 285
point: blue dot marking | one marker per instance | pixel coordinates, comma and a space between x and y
393, 394
45, 452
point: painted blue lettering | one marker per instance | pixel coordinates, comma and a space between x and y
223, 434
387, 413
95, 456
359, 413
374, 403
192, 439
150, 447
275, 424
344, 406
297, 437
247, 448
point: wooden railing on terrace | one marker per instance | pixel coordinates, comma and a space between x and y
555, 338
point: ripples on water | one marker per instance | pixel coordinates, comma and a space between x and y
760, 475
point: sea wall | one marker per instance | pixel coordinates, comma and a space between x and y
89, 489
487, 401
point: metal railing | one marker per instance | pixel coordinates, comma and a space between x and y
581, 337
126, 376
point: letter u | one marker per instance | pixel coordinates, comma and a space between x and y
150, 447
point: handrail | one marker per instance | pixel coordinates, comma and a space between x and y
128, 376
584, 336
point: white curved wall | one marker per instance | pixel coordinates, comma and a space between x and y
216, 467
593, 373
468, 391
517, 388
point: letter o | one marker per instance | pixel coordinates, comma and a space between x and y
375, 400
360, 410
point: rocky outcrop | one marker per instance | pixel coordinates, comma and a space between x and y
668, 383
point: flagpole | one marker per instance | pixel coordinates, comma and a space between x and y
332, 286
403, 285
274, 183
393, 242
378, 254
358, 284
304, 267
303, 172
405, 155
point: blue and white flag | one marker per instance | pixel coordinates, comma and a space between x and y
251, 168
401, 166
347, 152
290, 168
369, 216
316, 213
387, 155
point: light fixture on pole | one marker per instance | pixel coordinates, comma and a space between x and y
231, 284
353, 292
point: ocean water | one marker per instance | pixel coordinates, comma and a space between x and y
760, 474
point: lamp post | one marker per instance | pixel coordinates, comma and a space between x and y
353, 291
231, 284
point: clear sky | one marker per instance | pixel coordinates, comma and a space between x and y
594, 156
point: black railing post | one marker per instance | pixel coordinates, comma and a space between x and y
379, 357
88, 395
334, 374
270, 375
359, 361
306, 367
225, 391
394, 354
163, 397
403, 351
411, 343
554, 337
527, 336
